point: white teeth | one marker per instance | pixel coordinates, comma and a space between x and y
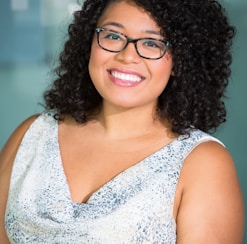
127, 77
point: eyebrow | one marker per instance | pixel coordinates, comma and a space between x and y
114, 24
122, 27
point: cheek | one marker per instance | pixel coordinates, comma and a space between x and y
161, 73
94, 61
163, 69
93, 53
97, 66
98, 57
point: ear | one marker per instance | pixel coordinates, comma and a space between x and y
172, 73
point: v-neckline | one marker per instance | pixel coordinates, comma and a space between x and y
128, 170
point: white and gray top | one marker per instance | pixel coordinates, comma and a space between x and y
136, 206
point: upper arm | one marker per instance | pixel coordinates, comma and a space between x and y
7, 156
211, 205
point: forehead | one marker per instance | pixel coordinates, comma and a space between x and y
128, 15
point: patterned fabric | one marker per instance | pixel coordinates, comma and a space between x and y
134, 207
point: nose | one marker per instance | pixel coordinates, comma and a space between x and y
129, 54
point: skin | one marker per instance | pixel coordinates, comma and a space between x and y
154, 74
7, 156
208, 204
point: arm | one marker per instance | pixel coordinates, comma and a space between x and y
211, 205
7, 156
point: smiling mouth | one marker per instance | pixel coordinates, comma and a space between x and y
126, 77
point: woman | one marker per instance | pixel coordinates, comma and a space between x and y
122, 155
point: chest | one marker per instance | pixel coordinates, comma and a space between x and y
134, 206
137, 198
90, 164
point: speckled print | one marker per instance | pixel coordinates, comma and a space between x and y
134, 207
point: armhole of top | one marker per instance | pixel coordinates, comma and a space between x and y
12, 145
202, 140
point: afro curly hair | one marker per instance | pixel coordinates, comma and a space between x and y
201, 38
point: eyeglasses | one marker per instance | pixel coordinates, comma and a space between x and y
148, 48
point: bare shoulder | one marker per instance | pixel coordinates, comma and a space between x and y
7, 156
13, 142
211, 202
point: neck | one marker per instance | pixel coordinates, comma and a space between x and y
124, 123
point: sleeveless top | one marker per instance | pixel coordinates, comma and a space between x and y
136, 206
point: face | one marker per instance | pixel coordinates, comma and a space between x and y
125, 79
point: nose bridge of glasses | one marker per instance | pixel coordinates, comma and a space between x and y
126, 46
133, 41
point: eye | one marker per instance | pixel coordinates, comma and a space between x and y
112, 36
152, 43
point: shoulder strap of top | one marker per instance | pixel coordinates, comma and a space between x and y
195, 138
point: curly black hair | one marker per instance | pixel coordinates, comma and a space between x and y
201, 38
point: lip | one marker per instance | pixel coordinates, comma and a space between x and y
125, 78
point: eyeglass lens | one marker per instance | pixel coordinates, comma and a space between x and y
149, 48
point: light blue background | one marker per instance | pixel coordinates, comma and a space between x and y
30, 43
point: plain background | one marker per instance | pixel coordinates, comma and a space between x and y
32, 33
